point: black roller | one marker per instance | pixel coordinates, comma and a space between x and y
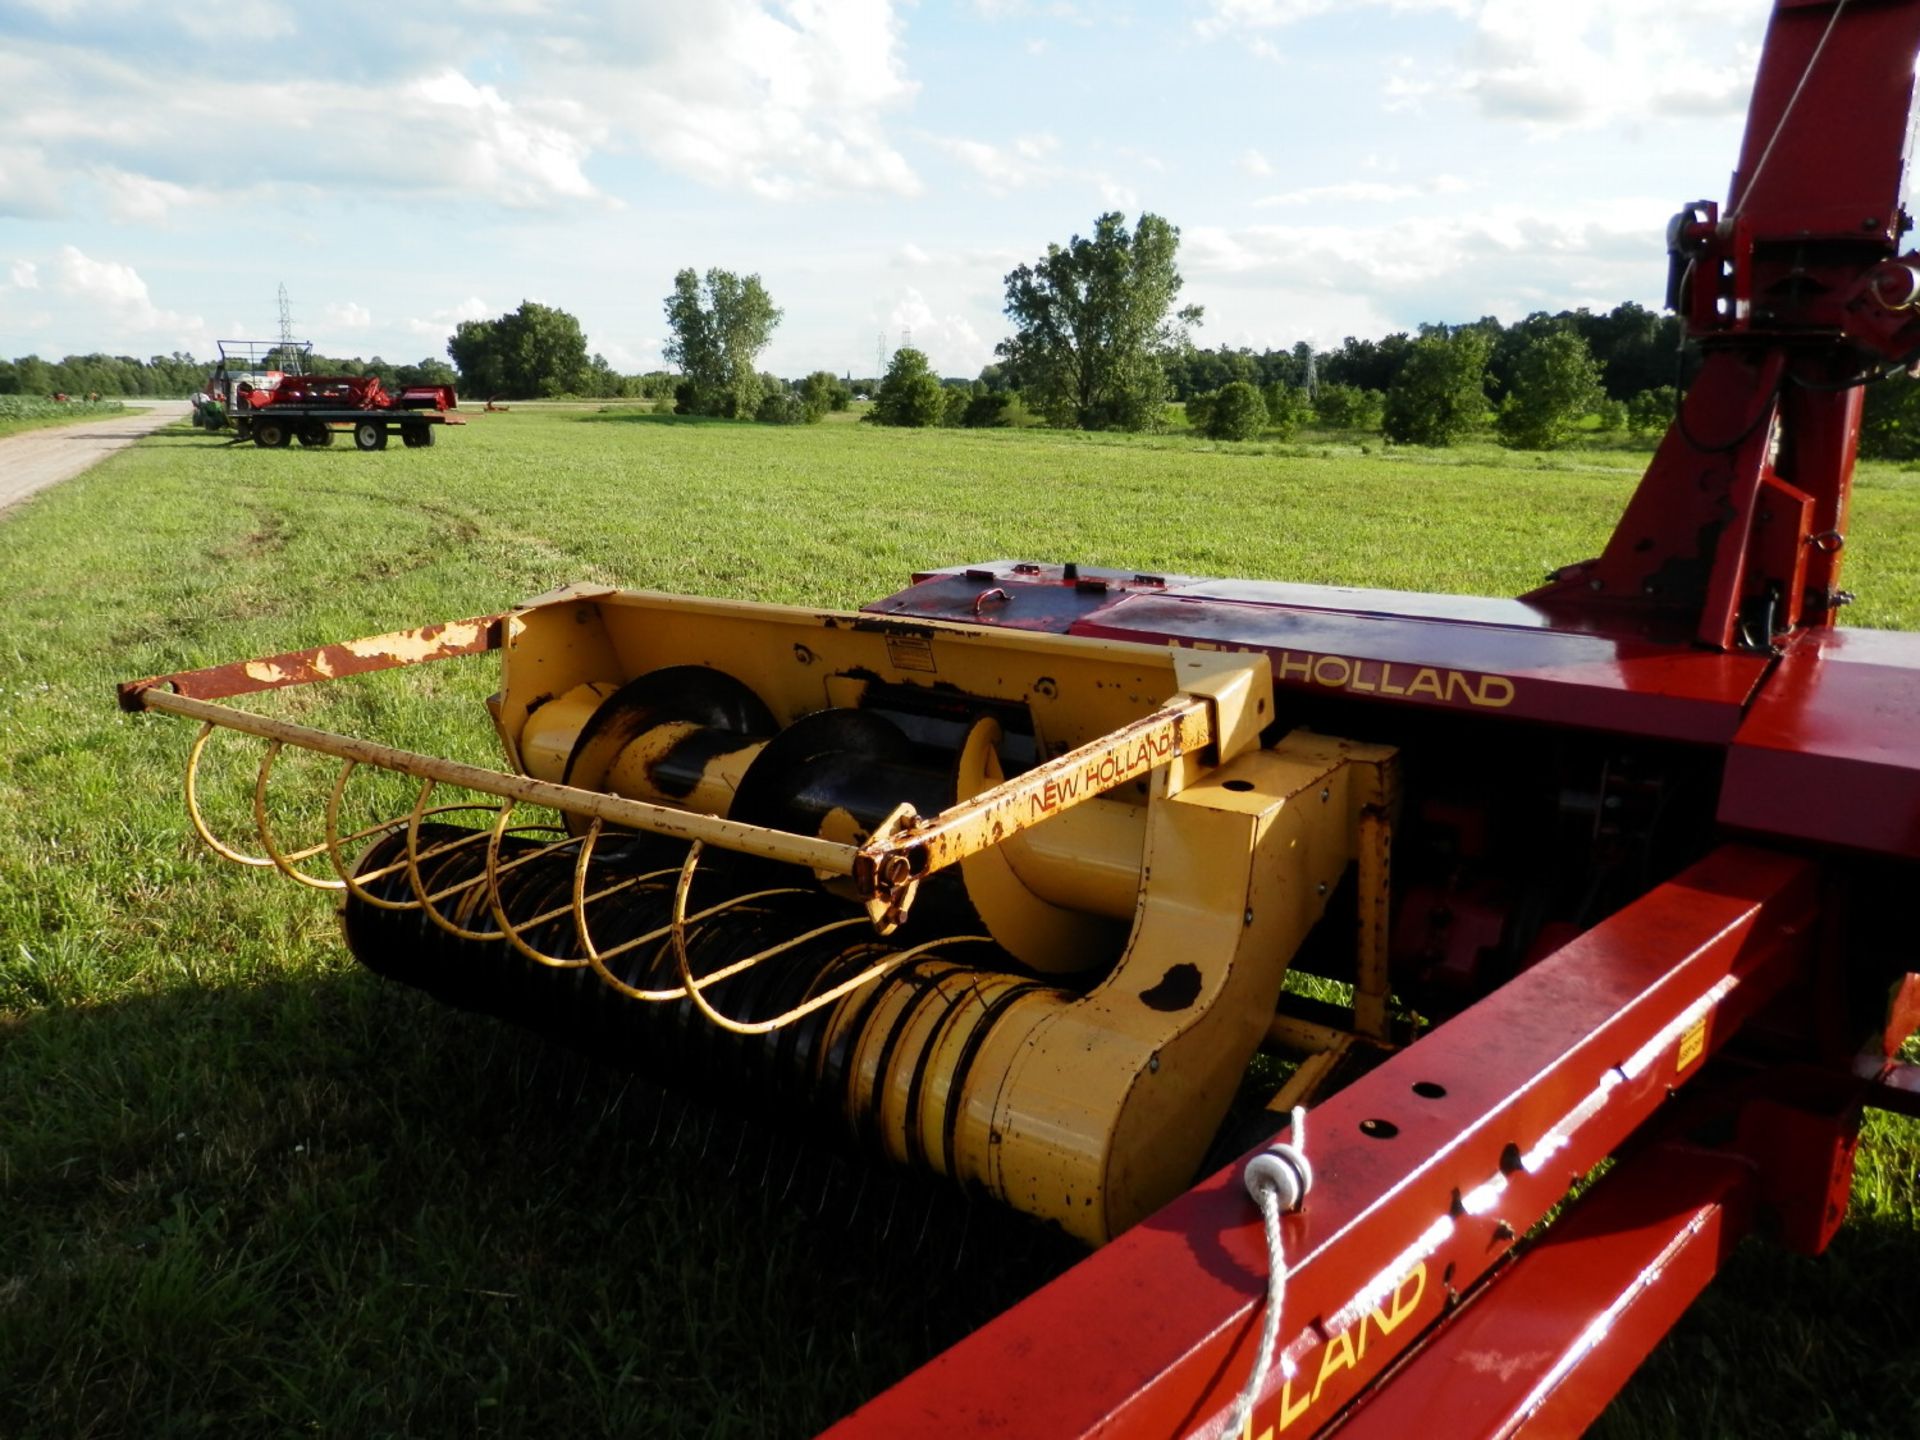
784, 1071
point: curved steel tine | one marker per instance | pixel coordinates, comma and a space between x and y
691, 989
284, 863
494, 903
199, 821
598, 958
355, 885
414, 857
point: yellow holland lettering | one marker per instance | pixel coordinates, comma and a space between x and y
1346, 1350
1336, 1355
1332, 671
1367, 677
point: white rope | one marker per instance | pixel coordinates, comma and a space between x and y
1277, 1179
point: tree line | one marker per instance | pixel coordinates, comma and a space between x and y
1099, 341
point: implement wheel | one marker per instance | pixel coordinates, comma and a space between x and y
316, 436
271, 435
416, 435
370, 435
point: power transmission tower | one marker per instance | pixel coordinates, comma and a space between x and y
289, 351
879, 354
906, 337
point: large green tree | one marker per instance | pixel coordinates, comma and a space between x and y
1441, 392
719, 324
1094, 321
529, 352
910, 393
1555, 385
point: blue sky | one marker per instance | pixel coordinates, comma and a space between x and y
1336, 167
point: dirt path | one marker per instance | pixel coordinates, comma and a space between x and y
39, 458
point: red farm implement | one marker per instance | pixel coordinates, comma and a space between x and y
1002, 877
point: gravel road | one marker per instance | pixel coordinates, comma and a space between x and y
36, 459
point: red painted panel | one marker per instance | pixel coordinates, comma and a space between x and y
1831, 749
1548, 1343
1607, 682
1614, 672
1153, 1335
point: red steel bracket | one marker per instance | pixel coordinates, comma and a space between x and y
1427, 1171
1549, 1341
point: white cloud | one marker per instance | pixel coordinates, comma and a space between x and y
1504, 260
114, 304
1026, 160
784, 100
153, 141
30, 189
442, 323
522, 155
1253, 163
140, 199
952, 345
1229, 16
349, 316
643, 355
779, 98
1367, 192
1571, 63
23, 275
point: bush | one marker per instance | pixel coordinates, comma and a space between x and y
782, 407
988, 411
1348, 407
910, 394
1237, 412
1612, 415
957, 400
823, 391
1556, 383
1652, 410
1440, 394
1199, 411
1287, 409
1890, 425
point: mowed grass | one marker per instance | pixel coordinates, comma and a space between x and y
248, 1189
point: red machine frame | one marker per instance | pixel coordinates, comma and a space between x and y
1418, 1292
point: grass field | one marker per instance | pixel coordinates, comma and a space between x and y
248, 1189
24, 412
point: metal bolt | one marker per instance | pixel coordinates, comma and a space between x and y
803, 654
1153, 1064
1247, 919
1046, 686
1325, 795
1321, 888
1595, 585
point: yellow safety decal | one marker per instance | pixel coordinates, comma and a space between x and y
911, 652
1693, 1044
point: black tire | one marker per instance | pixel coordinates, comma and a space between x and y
415, 436
316, 436
370, 435
271, 435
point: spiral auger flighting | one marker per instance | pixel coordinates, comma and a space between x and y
1012, 909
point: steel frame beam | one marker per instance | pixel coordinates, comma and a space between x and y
1429, 1170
